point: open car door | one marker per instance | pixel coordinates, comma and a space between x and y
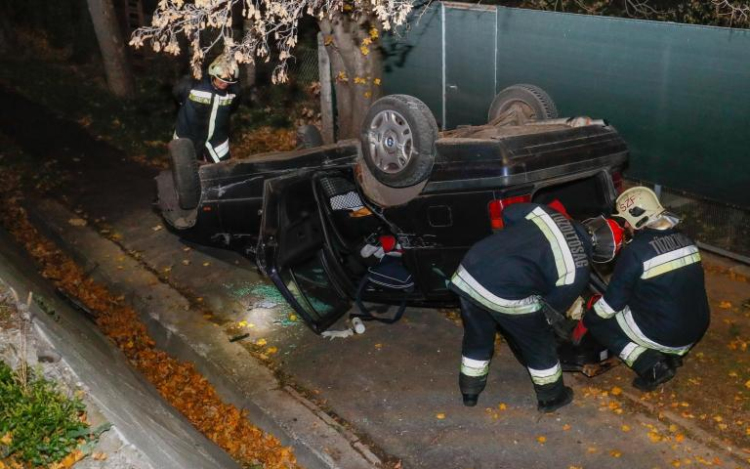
292, 252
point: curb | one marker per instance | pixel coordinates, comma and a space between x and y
319, 442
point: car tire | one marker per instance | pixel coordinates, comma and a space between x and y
532, 101
308, 136
187, 183
398, 140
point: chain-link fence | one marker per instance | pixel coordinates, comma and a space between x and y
304, 66
717, 226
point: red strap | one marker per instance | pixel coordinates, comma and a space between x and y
578, 333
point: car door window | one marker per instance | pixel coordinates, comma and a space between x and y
310, 284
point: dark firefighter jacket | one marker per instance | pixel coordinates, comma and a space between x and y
658, 287
539, 258
204, 115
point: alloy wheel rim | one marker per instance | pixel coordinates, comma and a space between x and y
391, 141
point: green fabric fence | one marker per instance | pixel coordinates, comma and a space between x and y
679, 94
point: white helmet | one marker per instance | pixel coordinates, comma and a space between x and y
221, 69
638, 206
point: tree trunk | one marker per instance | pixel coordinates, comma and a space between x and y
116, 65
356, 74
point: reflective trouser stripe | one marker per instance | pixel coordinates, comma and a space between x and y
474, 368
548, 376
603, 309
670, 261
222, 149
631, 329
469, 285
566, 268
212, 152
631, 352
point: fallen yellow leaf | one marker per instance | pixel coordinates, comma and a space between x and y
541, 439
725, 305
615, 453
502, 406
206, 264
679, 438
99, 456
440, 416
625, 428
566, 427
261, 342
654, 437
616, 391
7, 439
747, 384
272, 350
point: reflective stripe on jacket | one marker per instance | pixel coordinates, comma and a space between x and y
204, 115
539, 258
657, 292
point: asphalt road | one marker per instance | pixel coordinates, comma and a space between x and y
395, 385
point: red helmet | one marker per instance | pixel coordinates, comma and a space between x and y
606, 238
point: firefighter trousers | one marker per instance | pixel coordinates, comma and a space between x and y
530, 338
609, 333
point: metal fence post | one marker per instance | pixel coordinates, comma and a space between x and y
326, 101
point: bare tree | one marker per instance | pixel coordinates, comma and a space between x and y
736, 11
351, 27
112, 46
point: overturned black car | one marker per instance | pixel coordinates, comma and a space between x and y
312, 217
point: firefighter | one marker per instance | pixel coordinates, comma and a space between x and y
523, 279
655, 307
205, 109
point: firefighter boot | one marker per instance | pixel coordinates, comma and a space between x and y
659, 373
563, 398
471, 387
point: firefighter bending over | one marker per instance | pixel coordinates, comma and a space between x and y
655, 307
522, 279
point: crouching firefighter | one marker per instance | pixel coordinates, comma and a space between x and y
655, 307
523, 279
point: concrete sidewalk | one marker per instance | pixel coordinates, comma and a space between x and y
140, 417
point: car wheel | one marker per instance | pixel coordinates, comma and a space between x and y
308, 136
185, 172
398, 140
528, 102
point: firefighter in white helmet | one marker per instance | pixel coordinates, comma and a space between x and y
655, 307
205, 109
